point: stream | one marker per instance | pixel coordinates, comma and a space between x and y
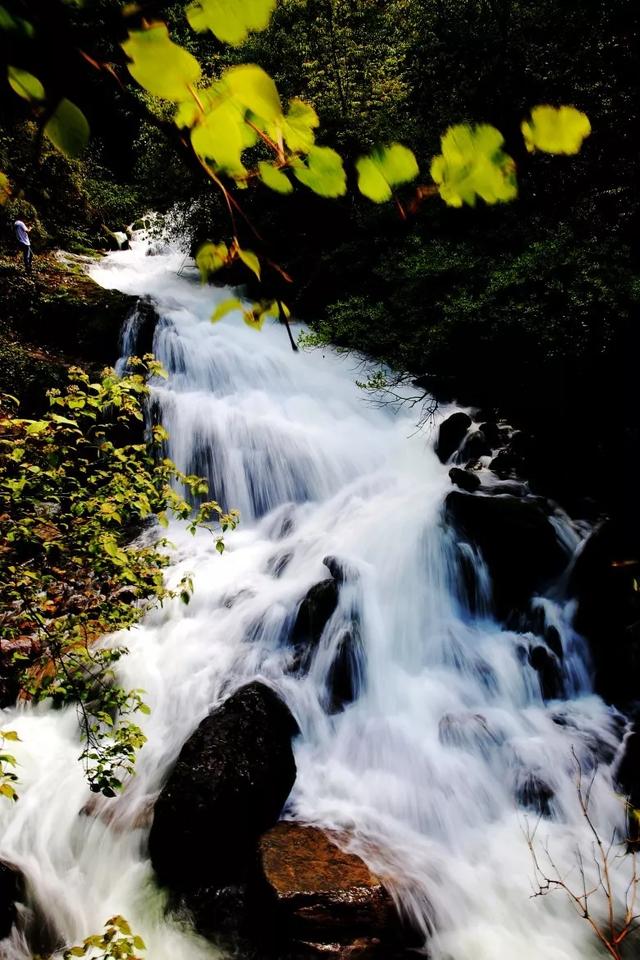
424, 769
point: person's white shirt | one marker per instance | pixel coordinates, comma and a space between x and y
22, 233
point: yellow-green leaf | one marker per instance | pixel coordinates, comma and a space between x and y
254, 317
25, 84
210, 257
273, 178
473, 164
9, 735
254, 89
227, 306
230, 20
222, 136
384, 169
249, 258
68, 129
323, 172
186, 113
160, 65
556, 129
298, 126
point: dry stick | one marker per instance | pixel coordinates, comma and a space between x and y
285, 320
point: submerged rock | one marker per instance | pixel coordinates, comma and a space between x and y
314, 613
603, 584
534, 794
451, 434
473, 447
547, 667
229, 784
346, 674
464, 479
517, 541
11, 884
340, 570
324, 899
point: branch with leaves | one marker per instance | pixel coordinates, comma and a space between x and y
239, 133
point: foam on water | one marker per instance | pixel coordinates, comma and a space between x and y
424, 768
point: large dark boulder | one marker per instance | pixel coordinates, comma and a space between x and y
323, 899
229, 785
517, 541
451, 434
11, 885
603, 584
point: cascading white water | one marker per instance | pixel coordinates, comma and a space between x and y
422, 771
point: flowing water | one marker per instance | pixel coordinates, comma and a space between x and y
424, 769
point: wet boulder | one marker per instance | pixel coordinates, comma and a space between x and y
533, 793
314, 612
517, 541
603, 585
229, 784
341, 570
627, 776
11, 889
323, 899
464, 479
451, 434
473, 447
346, 674
547, 667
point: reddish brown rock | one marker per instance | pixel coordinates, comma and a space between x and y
328, 902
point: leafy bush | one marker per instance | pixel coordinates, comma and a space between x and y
76, 489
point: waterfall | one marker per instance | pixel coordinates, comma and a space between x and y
428, 770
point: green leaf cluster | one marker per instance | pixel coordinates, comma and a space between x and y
75, 492
118, 942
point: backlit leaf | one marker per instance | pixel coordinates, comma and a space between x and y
25, 84
273, 178
230, 20
249, 258
68, 129
227, 306
210, 257
254, 317
556, 129
222, 136
160, 65
298, 126
384, 169
323, 172
254, 89
473, 164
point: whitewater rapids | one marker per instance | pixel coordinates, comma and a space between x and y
314, 470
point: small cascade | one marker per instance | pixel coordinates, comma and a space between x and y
430, 733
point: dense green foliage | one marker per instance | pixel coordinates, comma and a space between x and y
77, 485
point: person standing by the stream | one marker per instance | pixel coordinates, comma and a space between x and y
22, 236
